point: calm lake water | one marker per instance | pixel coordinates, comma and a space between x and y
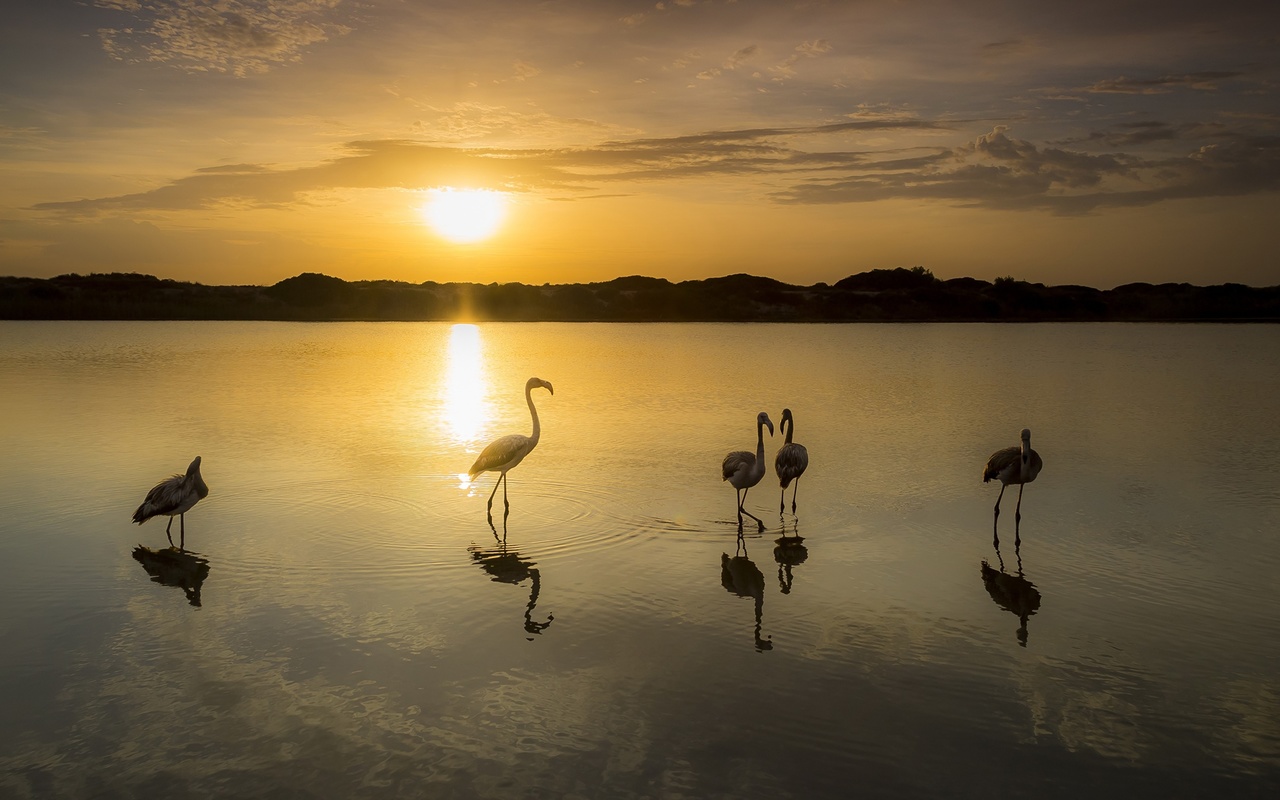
355, 628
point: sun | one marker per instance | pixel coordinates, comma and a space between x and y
465, 215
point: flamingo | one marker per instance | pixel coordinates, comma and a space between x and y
1018, 465
174, 497
791, 462
744, 470
503, 454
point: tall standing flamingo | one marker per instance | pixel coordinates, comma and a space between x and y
174, 497
503, 454
744, 470
791, 462
1018, 465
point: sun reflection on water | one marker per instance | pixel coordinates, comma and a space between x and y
465, 408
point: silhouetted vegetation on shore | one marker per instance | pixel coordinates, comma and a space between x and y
881, 295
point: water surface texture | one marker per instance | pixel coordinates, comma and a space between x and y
348, 624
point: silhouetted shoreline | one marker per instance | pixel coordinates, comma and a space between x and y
882, 295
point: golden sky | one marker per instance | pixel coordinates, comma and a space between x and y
245, 141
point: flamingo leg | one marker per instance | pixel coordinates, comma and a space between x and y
182, 526
505, 504
782, 502
742, 510
1017, 518
995, 526
495, 489
794, 492
166, 531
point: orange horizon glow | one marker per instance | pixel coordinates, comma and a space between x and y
415, 142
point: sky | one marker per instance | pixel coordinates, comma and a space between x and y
247, 141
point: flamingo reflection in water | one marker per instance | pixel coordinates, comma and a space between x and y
174, 497
743, 470
506, 566
740, 576
789, 551
505, 453
174, 567
791, 462
1013, 593
1018, 465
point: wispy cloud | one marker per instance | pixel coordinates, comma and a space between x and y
1001, 172
740, 57
995, 170
1138, 134
807, 49
523, 71
1202, 81
240, 37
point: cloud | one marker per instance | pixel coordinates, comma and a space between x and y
994, 170
400, 164
814, 48
523, 71
1202, 81
739, 58
1000, 172
1137, 134
475, 122
240, 37
808, 49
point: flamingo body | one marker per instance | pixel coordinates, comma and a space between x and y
1013, 465
791, 462
174, 497
743, 469
505, 453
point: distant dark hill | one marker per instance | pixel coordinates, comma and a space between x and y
880, 295
889, 280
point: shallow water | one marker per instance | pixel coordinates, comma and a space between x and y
357, 628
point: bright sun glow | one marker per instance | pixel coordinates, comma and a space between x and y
465, 215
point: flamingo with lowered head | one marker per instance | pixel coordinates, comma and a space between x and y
174, 497
505, 453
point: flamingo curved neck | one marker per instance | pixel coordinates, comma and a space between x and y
533, 411
759, 442
790, 425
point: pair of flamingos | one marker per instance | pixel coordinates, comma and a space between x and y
743, 469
